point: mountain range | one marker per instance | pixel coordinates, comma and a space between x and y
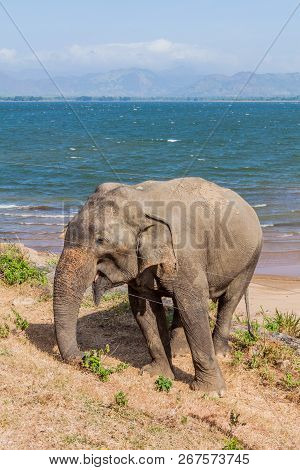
143, 83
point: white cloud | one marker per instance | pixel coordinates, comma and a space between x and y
157, 54
7, 55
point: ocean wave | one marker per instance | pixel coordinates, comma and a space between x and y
29, 208
37, 216
44, 223
173, 140
267, 225
260, 205
10, 206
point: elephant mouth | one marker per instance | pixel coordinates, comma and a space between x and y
101, 284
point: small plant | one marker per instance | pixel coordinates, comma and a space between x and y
20, 322
45, 296
52, 261
289, 382
15, 269
234, 421
87, 302
244, 339
266, 375
286, 322
4, 330
121, 366
233, 444
121, 398
213, 307
4, 352
169, 316
93, 361
184, 419
237, 357
163, 384
255, 360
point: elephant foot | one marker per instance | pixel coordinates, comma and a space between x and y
221, 345
178, 343
211, 386
158, 368
75, 360
207, 389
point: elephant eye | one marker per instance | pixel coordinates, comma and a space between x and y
100, 240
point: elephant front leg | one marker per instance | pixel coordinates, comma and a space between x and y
194, 316
151, 319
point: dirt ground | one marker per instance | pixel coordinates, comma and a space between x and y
47, 404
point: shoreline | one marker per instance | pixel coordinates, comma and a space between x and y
267, 292
279, 265
76, 99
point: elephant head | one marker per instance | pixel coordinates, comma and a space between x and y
111, 241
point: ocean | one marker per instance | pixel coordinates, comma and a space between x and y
50, 161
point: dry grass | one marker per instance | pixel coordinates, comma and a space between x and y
46, 404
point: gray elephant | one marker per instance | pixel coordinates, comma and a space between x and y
188, 239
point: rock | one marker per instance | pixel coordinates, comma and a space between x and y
23, 301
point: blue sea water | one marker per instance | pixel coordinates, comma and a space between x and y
51, 159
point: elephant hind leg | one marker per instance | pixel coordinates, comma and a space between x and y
226, 306
151, 318
179, 344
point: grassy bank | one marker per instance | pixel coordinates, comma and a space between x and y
73, 408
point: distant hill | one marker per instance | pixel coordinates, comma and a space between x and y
142, 83
261, 85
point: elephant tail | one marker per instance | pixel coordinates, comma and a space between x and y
247, 303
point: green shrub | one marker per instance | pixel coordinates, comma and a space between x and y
243, 339
286, 322
15, 269
237, 357
163, 384
121, 398
52, 262
232, 444
20, 322
93, 360
289, 382
4, 330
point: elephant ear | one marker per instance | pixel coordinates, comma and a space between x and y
155, 248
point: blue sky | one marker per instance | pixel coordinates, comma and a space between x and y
73, 36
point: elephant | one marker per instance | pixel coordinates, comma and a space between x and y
187, 239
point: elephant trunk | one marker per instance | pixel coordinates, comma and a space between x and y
75, 272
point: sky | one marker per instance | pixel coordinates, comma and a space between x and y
74, 37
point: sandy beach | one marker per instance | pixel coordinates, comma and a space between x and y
271, 292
